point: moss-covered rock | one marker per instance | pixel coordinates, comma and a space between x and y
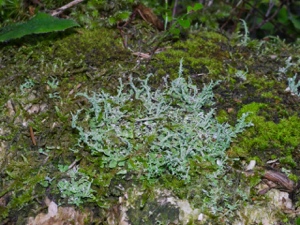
40, 76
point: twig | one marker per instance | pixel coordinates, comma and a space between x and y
32, 136
267, 18
63, 8
74, 163
174, 9
281, 179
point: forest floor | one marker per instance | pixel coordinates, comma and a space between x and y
61, 91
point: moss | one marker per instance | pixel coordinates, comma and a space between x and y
176, 185
153, 213
288, 160
252, 108
268, 95
201, 54
21, 187
222, 116
268, 138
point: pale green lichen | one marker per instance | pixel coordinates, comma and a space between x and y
171, 123
293, 86
77, 189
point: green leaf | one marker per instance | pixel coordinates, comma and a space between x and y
196, 7
112, 20
175, 31
124, 15
296, 21
184, 23
41, 23
112, 164
122, 172
283, 16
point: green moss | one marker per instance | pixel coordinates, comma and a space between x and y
268, 138
252, 108
201, 54
21, 187
222, 116
268, 95
91, 47
159, 214
288, 160
293, 177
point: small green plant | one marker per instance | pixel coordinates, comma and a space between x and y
46, 182
12, 10
97, 13
182, 22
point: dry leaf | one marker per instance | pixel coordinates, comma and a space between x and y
148, 15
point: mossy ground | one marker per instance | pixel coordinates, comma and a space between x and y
82, 60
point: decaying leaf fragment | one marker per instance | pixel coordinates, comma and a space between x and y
280, 181
148, 15
58, 216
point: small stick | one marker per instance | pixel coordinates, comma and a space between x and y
74, 163
281, 179
63, 8
32, 136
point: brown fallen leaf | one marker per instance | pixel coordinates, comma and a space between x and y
148, 15
31, 10
142, 55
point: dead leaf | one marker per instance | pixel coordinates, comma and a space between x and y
148, 15
142, 55
31, 10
